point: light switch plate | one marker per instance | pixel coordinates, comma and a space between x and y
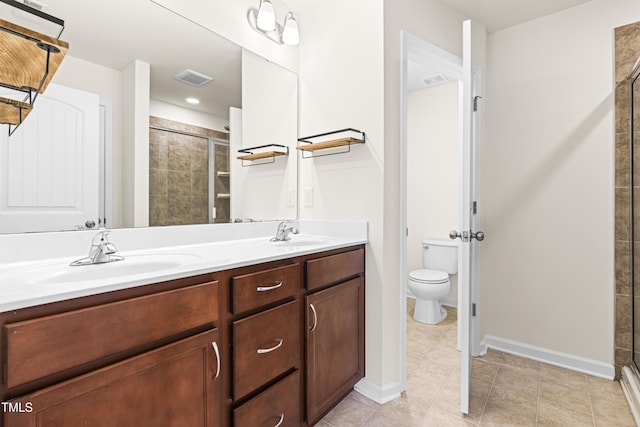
308, 197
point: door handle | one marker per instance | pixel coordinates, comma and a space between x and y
479, 236
464, 236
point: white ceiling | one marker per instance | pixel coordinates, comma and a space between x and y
497, 15
113, 33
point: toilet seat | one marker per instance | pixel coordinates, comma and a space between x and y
429, 276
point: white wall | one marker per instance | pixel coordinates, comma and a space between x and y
269, 116
350, 77
433, 175
547, 261
184, 115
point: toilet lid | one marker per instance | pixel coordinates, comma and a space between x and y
429, 276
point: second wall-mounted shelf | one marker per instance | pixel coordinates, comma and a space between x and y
262, 152
330, 140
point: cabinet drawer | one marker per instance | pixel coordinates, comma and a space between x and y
334, 268
257, 289
265, 345
278, 405
47, 345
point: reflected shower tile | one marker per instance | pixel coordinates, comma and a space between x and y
199, 185
623, 267
623, 214
158, 182
179, 183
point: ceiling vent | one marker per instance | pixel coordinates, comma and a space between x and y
193, 78
434, 80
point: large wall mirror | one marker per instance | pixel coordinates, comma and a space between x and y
143, 155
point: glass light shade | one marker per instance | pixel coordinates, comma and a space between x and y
266, 16
290, 33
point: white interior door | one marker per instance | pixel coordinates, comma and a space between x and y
473, 35
49, 173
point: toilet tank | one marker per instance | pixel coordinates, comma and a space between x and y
441, 255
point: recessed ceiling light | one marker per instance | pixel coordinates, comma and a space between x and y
194, 101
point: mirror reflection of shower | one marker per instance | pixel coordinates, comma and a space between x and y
189, 177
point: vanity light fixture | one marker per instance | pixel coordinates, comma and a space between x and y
263, 20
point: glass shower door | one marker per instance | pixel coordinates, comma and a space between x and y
635, 213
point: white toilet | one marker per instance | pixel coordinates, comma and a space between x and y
431, 284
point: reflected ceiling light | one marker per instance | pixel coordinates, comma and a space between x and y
193, 101
263, 21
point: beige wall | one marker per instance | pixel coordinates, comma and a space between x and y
547, 262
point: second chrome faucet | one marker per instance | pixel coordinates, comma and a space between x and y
283, 232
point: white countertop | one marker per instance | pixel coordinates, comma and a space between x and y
35, 280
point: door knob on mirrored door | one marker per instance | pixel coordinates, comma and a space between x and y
453, 234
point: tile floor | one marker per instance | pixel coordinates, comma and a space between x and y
506, 390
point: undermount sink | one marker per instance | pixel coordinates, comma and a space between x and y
129, 266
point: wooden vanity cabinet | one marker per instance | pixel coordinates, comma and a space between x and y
176, 385
334, 330
278, 343
148, 355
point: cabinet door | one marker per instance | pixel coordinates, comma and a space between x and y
175, 385
335, 344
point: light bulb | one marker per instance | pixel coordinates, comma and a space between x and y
290, 33
266, 16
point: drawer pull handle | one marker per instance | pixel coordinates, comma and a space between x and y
280, 421
269, 288
315, 318
215, 348
275, 347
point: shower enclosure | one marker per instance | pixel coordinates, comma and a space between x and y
634, 86
631, 373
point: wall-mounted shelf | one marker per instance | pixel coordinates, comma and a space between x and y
262, 152
330, 141
28, 61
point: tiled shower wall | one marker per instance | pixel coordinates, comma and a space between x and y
179, 173
627, 51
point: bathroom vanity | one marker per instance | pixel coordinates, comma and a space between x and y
265, 343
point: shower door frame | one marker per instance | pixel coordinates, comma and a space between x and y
634, 76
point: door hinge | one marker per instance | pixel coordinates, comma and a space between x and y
473, 309
474, 207
475, 102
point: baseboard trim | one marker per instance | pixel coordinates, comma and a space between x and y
450, 302
552, 357
378, 394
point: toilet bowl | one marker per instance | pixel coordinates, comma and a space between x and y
429, 287
431, 284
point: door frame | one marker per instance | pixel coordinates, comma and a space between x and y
412, 43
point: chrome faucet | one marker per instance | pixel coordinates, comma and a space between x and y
101, 251
282, 234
